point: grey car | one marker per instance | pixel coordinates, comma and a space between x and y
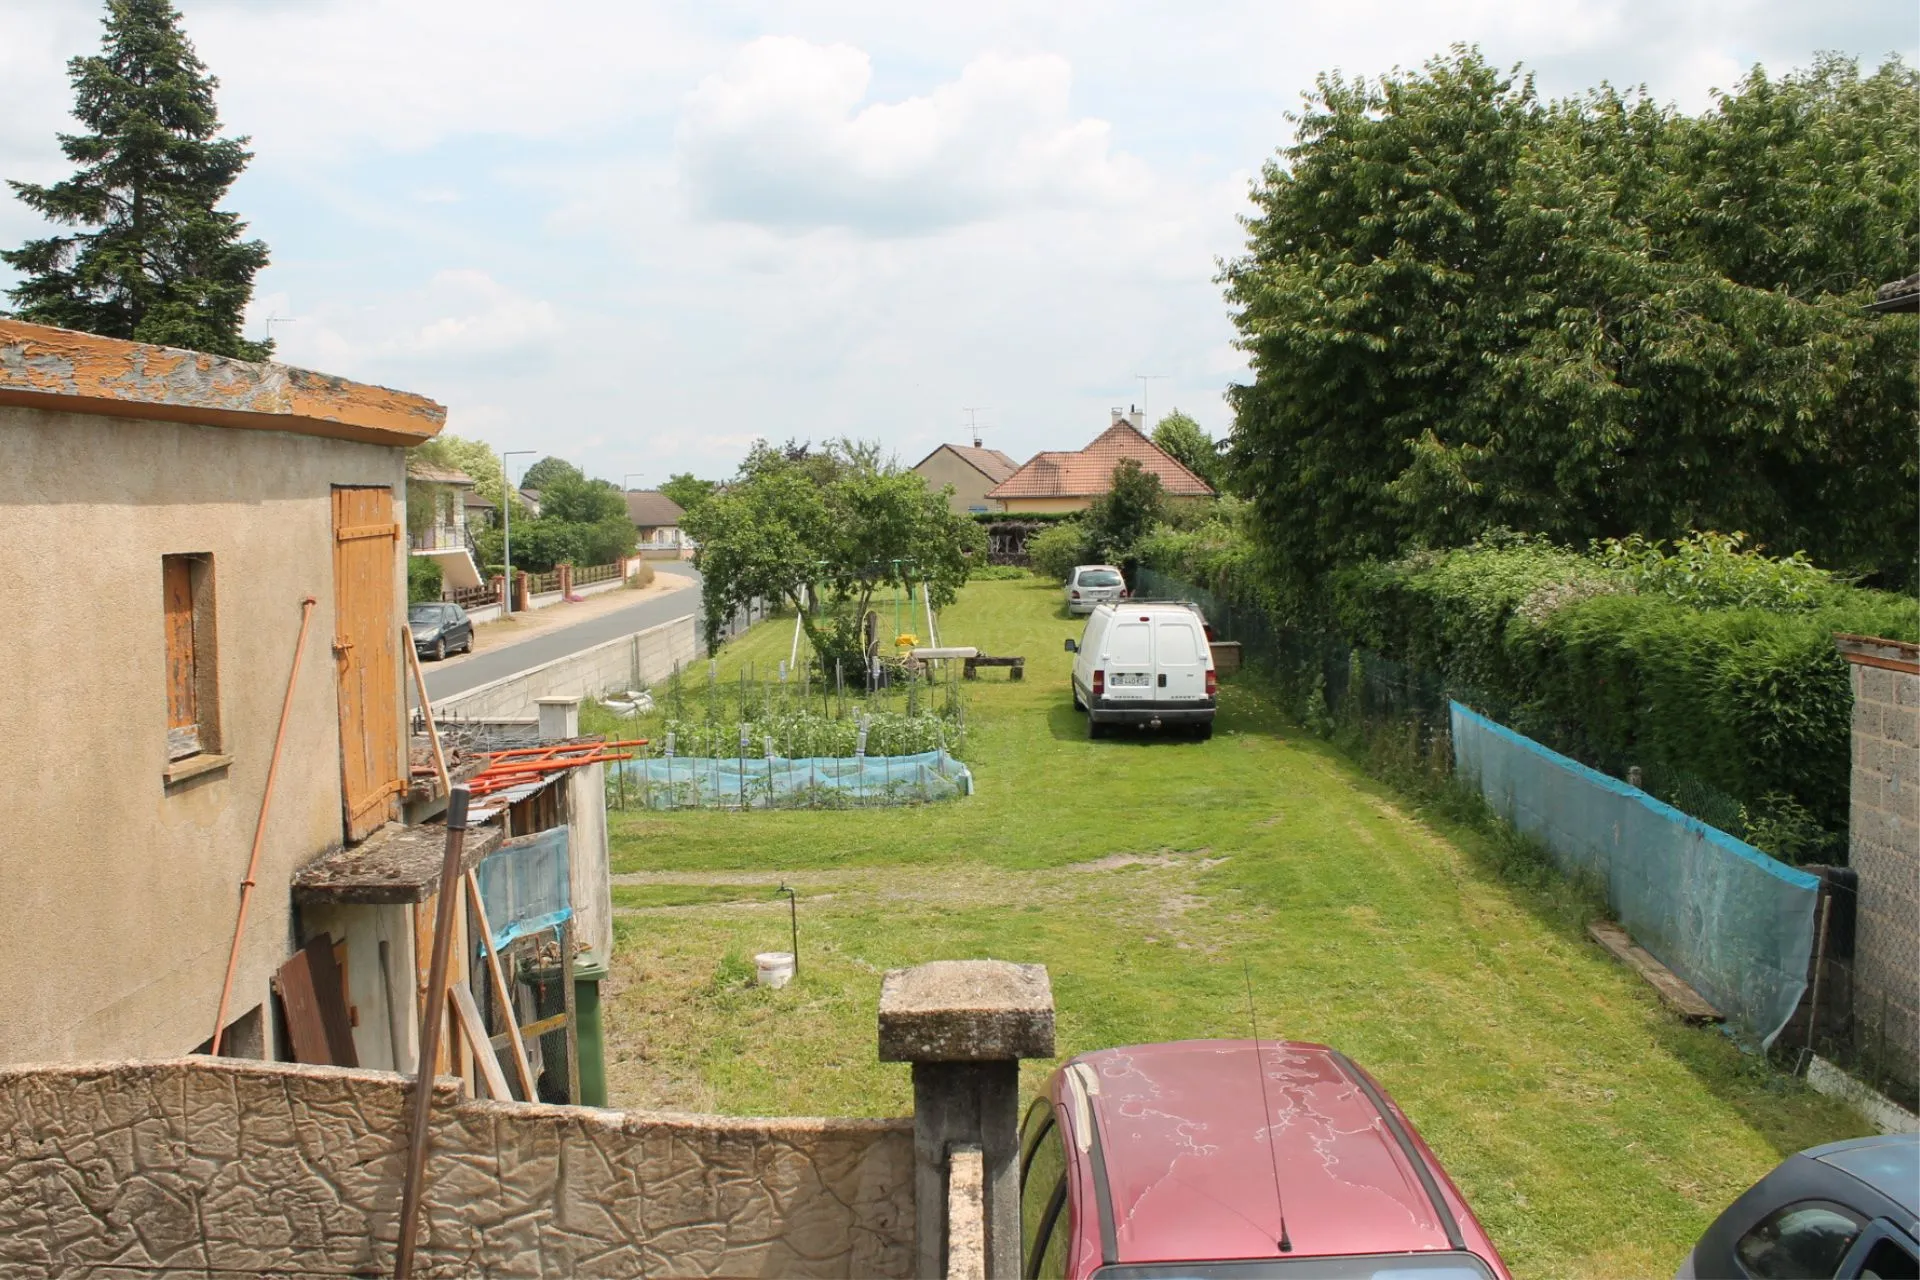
439, 629
1849, 1210
1091, 585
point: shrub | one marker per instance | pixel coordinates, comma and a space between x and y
641, 577
1054, 552
424, 579
999, 573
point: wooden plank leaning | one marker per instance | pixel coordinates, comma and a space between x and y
469, 1014
430, 1025
504, 992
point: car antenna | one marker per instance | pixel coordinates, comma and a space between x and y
1273, 1153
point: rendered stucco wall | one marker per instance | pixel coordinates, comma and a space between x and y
617, 665
969, 486
1884, 821
121, 890
201, 1166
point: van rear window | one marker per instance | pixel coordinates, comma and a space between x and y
1176, 646
1098, 578
1131, 645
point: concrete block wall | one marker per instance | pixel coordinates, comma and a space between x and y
1884, 816
215, 1166
639, 659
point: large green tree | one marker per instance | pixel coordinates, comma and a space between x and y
688, 489
828, 528
547, 472
158, 261
1468, 309
1180, 435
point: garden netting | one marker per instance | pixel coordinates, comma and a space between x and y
778, 782
524, 885
1733, 922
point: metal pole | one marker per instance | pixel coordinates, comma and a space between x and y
793, 925
260, 826
433, 1018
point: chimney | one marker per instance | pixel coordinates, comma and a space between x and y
1119, 416
1136, 419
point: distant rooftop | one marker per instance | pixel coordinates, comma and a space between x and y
991, 463
1088, 472
649, 508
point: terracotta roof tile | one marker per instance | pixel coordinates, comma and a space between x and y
1089, 472
432, 473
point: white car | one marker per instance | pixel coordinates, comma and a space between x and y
1145, 664
1092, 585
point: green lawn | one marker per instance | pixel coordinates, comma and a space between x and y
1593, 1134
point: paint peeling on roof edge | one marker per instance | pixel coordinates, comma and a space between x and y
66, 371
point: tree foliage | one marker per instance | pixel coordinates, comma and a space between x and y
1468, 309
833, 526
160, 262
688, 490
1190, 445
543, 474
1123, 515
474, 457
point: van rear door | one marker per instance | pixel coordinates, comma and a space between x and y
1180, 659
1128, 659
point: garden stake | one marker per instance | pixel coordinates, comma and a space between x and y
793, 925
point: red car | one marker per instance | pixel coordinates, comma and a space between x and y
1236, 1159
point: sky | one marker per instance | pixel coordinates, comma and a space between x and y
639, 235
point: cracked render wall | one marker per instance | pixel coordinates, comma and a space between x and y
198, 1165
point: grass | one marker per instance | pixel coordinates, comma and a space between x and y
1593, 1134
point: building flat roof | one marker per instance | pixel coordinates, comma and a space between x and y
70, 372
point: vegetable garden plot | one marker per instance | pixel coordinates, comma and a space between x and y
780, 782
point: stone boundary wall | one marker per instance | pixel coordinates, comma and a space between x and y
1884, 825
218, 1166
616, 665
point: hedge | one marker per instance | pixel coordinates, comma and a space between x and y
1621, 656
1753, 701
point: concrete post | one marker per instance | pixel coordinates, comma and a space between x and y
965, 1025
559, 718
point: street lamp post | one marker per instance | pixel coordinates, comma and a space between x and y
506, 522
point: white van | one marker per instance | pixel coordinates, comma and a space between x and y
1144, 664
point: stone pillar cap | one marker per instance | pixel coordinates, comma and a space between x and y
966, 1011
560, 700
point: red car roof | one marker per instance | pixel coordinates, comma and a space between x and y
1184, 1133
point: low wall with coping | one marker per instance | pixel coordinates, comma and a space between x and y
628, 662
202, 1165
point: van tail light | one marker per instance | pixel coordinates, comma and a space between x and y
1076, 595
1213, 682
1099, 683
1125, 594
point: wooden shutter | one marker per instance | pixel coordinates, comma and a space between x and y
367, 657
183, 703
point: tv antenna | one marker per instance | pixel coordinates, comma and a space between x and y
1273, 1152
279, 319
973, 426
1146, 378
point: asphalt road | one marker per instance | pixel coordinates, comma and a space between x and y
484, 668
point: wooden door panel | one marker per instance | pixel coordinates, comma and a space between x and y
366, 625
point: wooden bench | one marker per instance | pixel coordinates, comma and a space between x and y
1016, 667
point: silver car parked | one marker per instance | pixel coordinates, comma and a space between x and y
1091, 585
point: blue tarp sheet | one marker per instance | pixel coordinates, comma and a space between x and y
525, 885
759, 782
1734, 922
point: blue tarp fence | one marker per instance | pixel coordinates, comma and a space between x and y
777, 782
525, 885
1735, 923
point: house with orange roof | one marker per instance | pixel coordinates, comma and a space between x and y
1059, 481
971, 471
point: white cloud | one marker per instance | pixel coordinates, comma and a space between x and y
459, 315
783, 137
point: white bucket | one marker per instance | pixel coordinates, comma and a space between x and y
773, 968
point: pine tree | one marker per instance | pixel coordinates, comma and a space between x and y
164, 265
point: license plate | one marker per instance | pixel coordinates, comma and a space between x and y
1124, 679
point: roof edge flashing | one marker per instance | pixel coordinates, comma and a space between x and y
66, 371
